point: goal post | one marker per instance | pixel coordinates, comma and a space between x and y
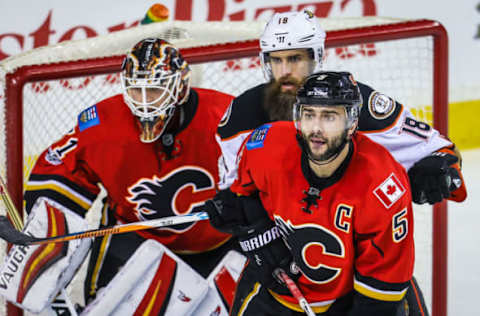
46, 88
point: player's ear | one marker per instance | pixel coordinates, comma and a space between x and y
352, 129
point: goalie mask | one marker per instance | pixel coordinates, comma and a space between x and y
326, 114
155, 80
292, 30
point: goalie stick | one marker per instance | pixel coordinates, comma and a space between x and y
11, 209
293, 288
11, 235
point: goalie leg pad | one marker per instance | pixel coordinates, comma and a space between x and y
222, 283
154, 281
32, 276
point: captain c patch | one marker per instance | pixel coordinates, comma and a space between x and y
88, 118
380, 105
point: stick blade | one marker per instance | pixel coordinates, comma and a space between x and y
11, 235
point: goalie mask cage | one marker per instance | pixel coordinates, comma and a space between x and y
45, 89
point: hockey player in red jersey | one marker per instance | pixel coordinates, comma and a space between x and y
433, 163
142, 146
348, 224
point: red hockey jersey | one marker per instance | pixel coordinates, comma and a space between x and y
358, 236
141, 182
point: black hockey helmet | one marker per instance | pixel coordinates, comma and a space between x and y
330, 88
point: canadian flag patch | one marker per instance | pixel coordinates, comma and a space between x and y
389, 191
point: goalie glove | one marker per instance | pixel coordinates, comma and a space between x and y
436, 177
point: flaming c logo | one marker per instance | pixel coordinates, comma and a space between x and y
317, 251
182, 191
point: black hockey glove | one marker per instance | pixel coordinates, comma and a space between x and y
259, 238
263, 245
225, 212
265, 248
432, 178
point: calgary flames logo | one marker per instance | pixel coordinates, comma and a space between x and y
317, 251
180, 192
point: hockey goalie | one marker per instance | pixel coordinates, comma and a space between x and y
142, 146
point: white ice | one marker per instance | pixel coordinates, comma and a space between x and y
464, 243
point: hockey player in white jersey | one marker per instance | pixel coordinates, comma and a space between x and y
292, 47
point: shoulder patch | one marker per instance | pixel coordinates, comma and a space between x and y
380, 105
258, 137
88, 118
389, 191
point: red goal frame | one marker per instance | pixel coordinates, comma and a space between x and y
17, 80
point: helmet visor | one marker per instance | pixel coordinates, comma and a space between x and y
323, 119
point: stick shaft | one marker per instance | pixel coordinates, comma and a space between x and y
125, 228
11, 210
293, 288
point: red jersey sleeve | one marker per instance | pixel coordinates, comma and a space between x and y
62, 174
460, 194
384, 257
244, 183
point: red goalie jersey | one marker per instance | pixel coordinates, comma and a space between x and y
358, 236
141, 182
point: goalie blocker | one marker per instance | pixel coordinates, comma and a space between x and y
31, 276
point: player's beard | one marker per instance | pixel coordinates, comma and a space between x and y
278, 104
334, 146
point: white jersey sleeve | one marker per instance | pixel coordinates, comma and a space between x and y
227, 163
244, 114
392, 125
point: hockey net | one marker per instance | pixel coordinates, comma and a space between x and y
42, 92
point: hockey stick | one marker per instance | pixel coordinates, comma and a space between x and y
293, 288
11, 210
11, 235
